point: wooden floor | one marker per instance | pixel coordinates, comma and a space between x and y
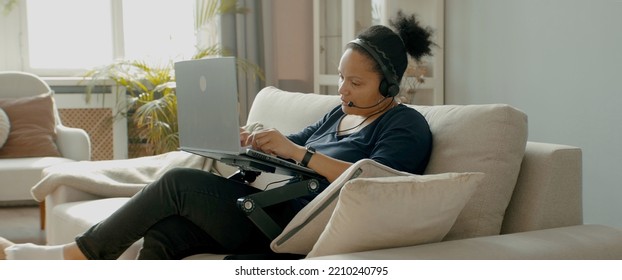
20, 224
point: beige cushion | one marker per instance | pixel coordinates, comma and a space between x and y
70, 219
305, 228
304, 109
5, 127
18, 175
32, 127
478, 138
379, 213
580, 243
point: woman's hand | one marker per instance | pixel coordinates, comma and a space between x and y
245, 138
271, 141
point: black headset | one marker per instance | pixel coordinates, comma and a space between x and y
389, 86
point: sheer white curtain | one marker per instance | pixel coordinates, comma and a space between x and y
244, 35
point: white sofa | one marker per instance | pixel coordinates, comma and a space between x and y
18, 175
528, 206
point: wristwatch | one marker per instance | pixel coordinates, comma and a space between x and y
307, 157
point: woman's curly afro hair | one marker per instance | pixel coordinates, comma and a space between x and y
409, 37
416, 38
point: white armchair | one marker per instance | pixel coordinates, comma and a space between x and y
18, 174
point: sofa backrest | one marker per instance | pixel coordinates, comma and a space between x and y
14, 84
17, 84
478, 138
472, 138
29, 104
290, 112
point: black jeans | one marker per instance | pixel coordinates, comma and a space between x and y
185, 212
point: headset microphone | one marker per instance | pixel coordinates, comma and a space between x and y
351, 104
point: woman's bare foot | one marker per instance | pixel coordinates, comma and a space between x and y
4, 243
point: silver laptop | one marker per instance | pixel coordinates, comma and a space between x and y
208, 117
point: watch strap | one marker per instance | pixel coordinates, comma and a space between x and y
305, 160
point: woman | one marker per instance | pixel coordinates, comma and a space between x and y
190, 211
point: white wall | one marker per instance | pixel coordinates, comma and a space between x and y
560, 61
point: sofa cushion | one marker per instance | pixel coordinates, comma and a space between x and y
305, 228
32, 127
73, 218
301, 109
5, 127
478, 138
18, 175
378, 213
579, 243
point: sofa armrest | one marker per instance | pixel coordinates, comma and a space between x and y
573, 243
62, 195
73, 143
548, 191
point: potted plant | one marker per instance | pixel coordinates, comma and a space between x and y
151, 108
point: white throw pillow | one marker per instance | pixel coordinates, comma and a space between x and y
305, 228
378, 213
5, 127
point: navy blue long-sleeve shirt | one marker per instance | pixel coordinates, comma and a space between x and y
400, 138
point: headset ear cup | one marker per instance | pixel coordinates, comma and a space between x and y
387, 89
384, 88
393, 90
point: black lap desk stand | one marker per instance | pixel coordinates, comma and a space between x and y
302, 184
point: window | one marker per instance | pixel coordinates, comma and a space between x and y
68, 34
164, 30
65, 37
